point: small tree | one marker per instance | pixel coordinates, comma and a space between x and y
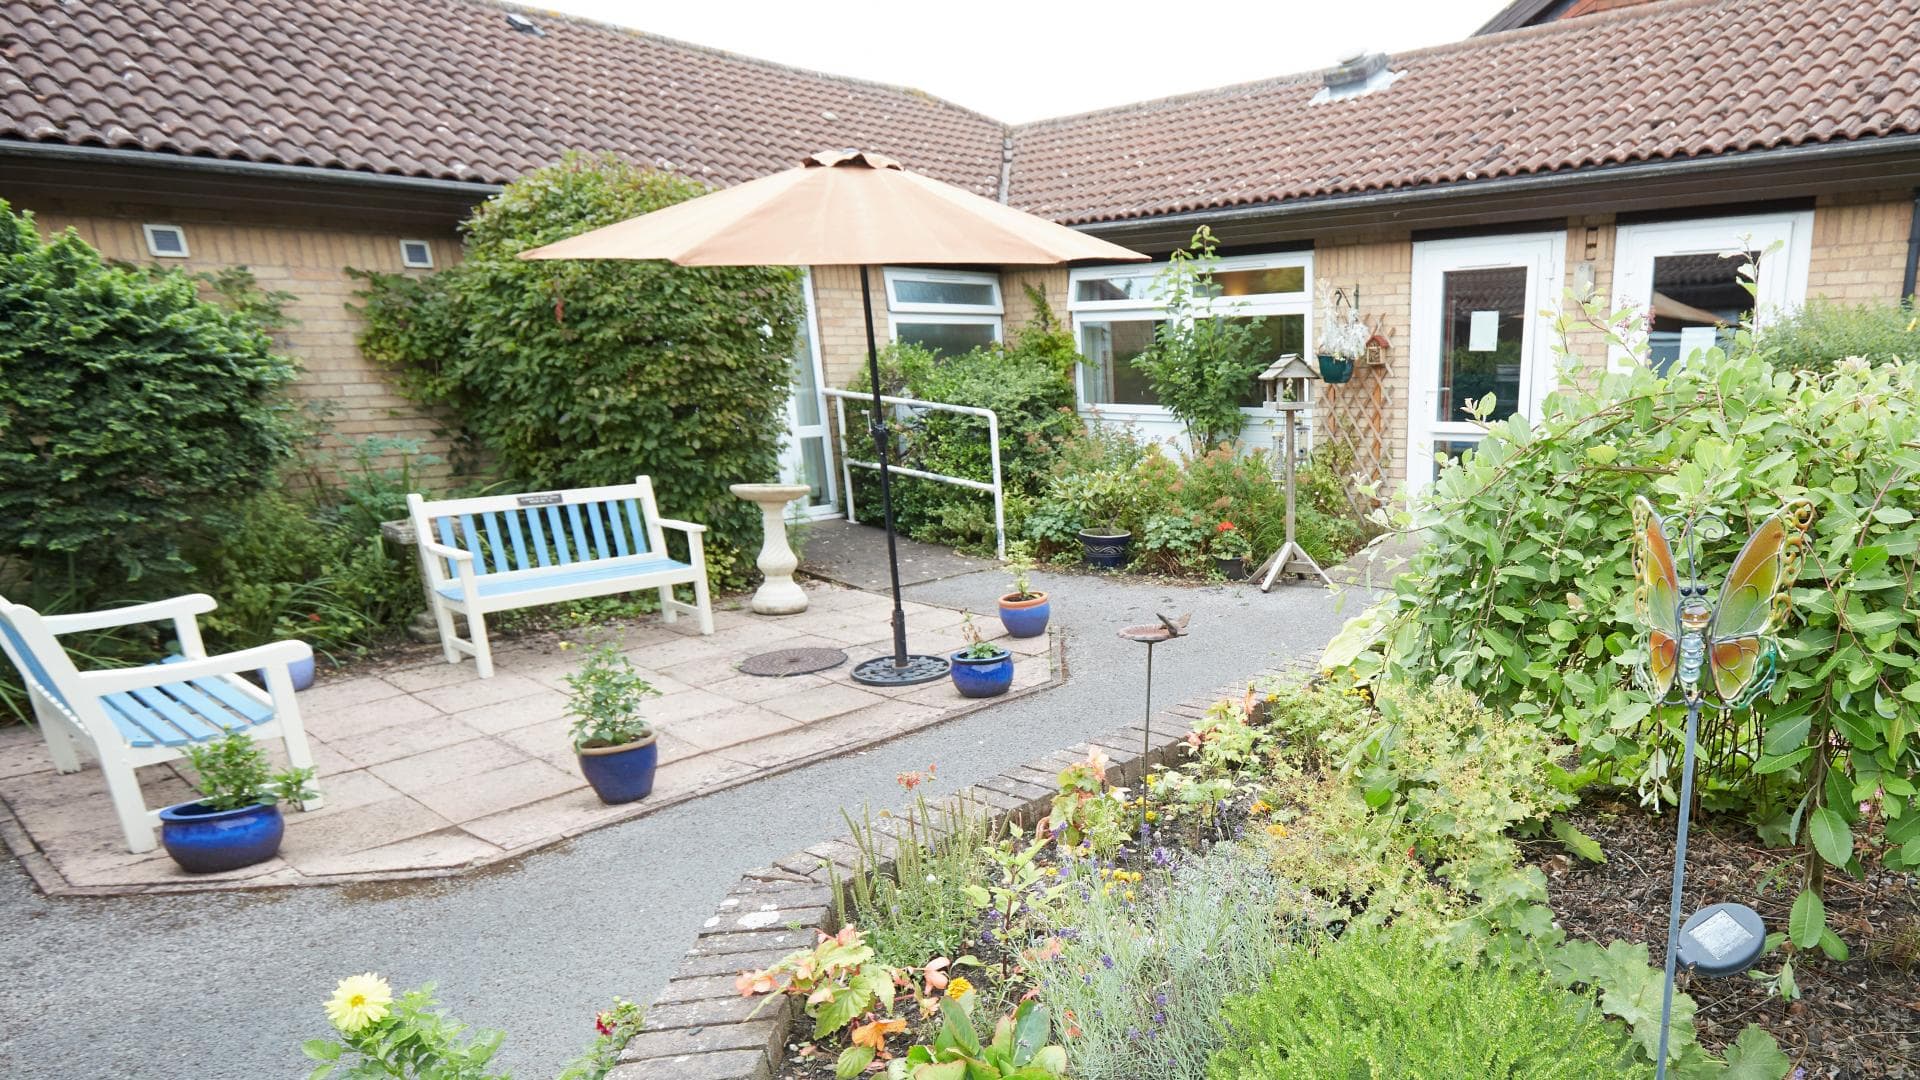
1201, 362
574, 373
133, 415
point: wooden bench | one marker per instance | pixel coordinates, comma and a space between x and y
504, 552
130, 717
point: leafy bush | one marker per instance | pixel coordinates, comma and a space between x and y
1385, 1003
1144, 981
1524, 591
582, 372
920, 909
1824, 332
1200, 364
134, 416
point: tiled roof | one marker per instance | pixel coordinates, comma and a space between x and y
445, 89
1672, 80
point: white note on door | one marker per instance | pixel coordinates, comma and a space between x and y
1483, 334
1697, 338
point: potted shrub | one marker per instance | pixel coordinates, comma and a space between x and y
1025, 610
1099, 497
982, 669
617, 750
236, 821
1231, 550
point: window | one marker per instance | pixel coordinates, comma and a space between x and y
945, 312
1685, 276
166, 241
417, 254
1116, 310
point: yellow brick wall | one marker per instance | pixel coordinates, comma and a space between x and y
310, 262
843, 331
1051, 281
1860, 246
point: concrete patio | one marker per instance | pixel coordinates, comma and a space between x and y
428, 770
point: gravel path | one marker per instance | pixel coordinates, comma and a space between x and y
226, 986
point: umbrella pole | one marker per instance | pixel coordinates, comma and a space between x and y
898, 669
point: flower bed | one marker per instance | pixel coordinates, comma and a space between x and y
1223, 905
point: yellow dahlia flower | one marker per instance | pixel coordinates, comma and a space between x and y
359, 1000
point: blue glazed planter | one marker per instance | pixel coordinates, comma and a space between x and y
1025, 618
1105, 551
620, 774
300, 671
205, 841
982, 678
1335, 369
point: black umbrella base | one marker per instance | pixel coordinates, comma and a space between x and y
882, 671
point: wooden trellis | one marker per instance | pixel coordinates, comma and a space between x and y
1356, 415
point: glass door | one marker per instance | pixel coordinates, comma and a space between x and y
804, 457
1478, 332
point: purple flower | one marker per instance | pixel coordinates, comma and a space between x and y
1160, 999
1087, 979
1133, 1034
1106, 961
1160, 857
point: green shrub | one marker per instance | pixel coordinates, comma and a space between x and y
1200, 364
134, 416
1387, 1004
1524, 591
581, 372
1825, 331
1143, 980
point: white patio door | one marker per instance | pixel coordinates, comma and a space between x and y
1478, 330
806, 456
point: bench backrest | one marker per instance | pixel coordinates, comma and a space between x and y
35, 651
508, 533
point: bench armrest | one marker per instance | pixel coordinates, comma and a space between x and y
683, 526
273, 654
447, 552
176, 608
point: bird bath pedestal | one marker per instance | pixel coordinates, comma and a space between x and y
779, 594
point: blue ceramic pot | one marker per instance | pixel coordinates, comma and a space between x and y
300, 671
207, 841
982, 678
1106, 551
620, 774
1025, 618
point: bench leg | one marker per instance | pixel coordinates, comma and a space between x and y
702, 601
482, 652
293, 735
444, 620
667, 613
129, 805
62, 748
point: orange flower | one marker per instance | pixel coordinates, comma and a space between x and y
750, 983
875, 1034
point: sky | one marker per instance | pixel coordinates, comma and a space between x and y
1027, 61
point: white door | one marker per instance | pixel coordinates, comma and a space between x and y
805, 457
1478, 329
1686, 276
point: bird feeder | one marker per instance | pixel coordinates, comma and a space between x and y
1285, 384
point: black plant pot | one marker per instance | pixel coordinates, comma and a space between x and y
1106, 551
1234, 569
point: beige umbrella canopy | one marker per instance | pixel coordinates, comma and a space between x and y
846, 208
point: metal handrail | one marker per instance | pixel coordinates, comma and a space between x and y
848, 464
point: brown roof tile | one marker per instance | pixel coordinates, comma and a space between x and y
443, 88
1670, 80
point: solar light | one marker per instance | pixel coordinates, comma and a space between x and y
1722, 940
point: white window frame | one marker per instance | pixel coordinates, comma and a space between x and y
1150, 307
408, 262
898, 312
1782, 284
153, 249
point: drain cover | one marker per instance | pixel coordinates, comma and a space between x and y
882, 671
792, 662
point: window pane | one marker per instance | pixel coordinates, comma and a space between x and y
1697, 302
1279, 279
1450, 450
813, 469
1135, 287
1484, 325
1279, 335
945, 339
919, 291
1109, 377
806, 391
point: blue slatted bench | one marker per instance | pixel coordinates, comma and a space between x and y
130, 717
504, 552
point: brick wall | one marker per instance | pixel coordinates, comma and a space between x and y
842, 326
310, 262
1860, 246
1051, 281
1369, 414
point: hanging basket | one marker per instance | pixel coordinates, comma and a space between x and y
1335, 369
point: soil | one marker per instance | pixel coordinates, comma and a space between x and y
1855, 1020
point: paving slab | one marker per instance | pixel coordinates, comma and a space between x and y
427, 770
855, 555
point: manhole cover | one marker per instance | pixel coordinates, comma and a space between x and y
792, 662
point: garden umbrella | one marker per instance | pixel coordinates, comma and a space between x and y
846, 208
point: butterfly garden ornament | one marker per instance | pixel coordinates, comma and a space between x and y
1724, 646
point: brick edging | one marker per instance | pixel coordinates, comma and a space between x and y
700, 1028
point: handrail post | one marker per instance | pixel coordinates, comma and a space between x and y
846, 469
999, 492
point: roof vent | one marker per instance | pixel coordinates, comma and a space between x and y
524, 25
1357, 74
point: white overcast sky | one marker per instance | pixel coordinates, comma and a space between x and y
1019, 61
